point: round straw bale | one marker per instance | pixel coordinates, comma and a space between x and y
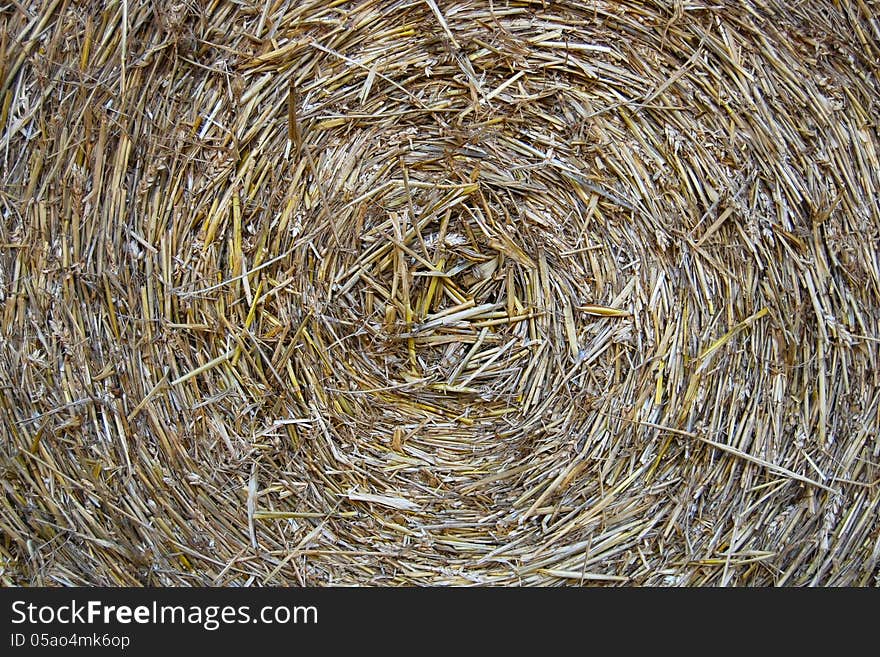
425, 292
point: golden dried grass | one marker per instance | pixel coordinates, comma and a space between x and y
423, 292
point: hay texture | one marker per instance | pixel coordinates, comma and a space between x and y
427, 292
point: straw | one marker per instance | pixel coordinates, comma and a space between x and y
440, 292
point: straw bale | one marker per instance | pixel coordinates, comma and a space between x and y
420, 292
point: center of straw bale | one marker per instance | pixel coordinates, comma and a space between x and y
460, 326
444, 304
